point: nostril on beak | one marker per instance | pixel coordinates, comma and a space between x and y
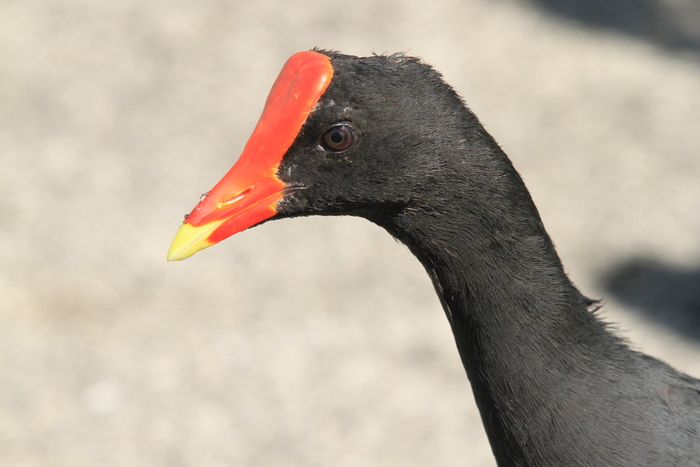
234, 198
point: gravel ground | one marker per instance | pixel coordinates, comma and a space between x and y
316, 341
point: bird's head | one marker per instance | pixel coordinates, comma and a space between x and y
338, 135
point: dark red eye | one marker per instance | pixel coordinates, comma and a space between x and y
338, 138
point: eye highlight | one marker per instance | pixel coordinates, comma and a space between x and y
338, 138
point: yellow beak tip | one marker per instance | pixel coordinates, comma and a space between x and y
176, 255
189, 240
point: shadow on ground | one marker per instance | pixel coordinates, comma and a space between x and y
664, 293
670, 23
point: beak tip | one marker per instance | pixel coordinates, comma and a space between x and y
177, 253
175, 257
189, 240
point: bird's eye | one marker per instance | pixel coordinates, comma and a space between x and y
338, 138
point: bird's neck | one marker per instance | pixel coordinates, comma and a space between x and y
524, 332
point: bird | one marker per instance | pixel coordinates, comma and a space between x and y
385, 138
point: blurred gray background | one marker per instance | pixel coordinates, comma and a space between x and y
319, 341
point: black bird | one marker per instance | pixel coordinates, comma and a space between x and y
385, 138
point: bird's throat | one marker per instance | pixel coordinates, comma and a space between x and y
523, 331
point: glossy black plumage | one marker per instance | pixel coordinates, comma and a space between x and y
553, 385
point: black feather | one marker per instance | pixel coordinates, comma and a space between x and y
554, 385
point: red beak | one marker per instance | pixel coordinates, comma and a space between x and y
249, 192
